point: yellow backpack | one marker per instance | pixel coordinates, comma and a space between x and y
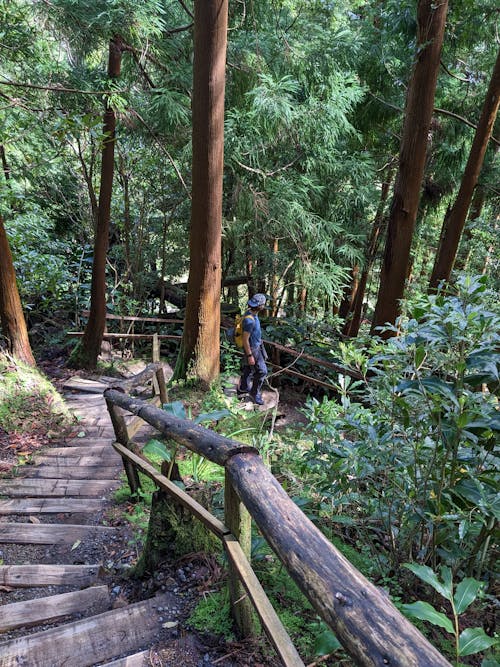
235, 334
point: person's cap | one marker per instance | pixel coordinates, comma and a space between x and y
257, 300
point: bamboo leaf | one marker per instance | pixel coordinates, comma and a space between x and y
466, 593
473, 640
430, 577
426, 612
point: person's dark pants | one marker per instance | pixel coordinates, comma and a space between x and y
252, 377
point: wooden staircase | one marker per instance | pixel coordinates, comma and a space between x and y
55, 506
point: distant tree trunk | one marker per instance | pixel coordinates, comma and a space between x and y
476, 208
350, 292
431, 18
274, 278
90, 348
455, 218
11, 313
199, 355
351, 327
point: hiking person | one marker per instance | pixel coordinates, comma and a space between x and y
254, 360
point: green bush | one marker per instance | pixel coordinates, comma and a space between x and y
410, 462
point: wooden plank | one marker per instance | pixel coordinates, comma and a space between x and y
98, 450
71, 472
40, 610
84, 384
49, 533
68, 461
28, 576
49, 506
136, 423
89, 641
213, 524
38, 488
141, 659
111, 336
131, 318
271, 623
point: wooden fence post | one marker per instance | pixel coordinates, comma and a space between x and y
239, 522
121, 435
162, 386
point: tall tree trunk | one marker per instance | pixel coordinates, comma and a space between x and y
87, 355
431, 18
11, 313
199, 355
455, 218
351, 327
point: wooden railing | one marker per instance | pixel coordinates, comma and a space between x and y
362, 617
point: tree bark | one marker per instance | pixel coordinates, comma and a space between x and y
454, 221
351, 327
11, 313
431, 18
199, 354
92, 339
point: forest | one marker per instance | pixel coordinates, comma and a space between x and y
169, 159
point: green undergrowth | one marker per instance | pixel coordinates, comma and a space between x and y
28, 401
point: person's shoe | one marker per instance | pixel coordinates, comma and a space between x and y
258, 400
241, 392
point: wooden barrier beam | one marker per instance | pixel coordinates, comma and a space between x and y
110, 336
212, 446
270, 620
213, 524
363, 618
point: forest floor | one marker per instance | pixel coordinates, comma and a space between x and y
186, 580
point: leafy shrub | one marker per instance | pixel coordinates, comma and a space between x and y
409, 461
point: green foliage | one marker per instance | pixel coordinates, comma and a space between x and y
414, 465
460, 597
28, 400
213, 614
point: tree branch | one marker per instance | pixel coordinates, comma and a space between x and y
186, 9
265, 174
60, 89
162, 147
454, 76
442, 112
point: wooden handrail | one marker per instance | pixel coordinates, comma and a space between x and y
367, 624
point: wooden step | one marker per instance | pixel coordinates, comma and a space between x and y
36, 488
48, 533
50, 506
53, 607
137, 660
69, 461
90, 450
90, 641
73, 472
30, 576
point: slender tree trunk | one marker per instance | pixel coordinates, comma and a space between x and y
431, 18
455, 219
92, 337
274, 277
352, 325
11, 313
350, 292
199, 355
476, 208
